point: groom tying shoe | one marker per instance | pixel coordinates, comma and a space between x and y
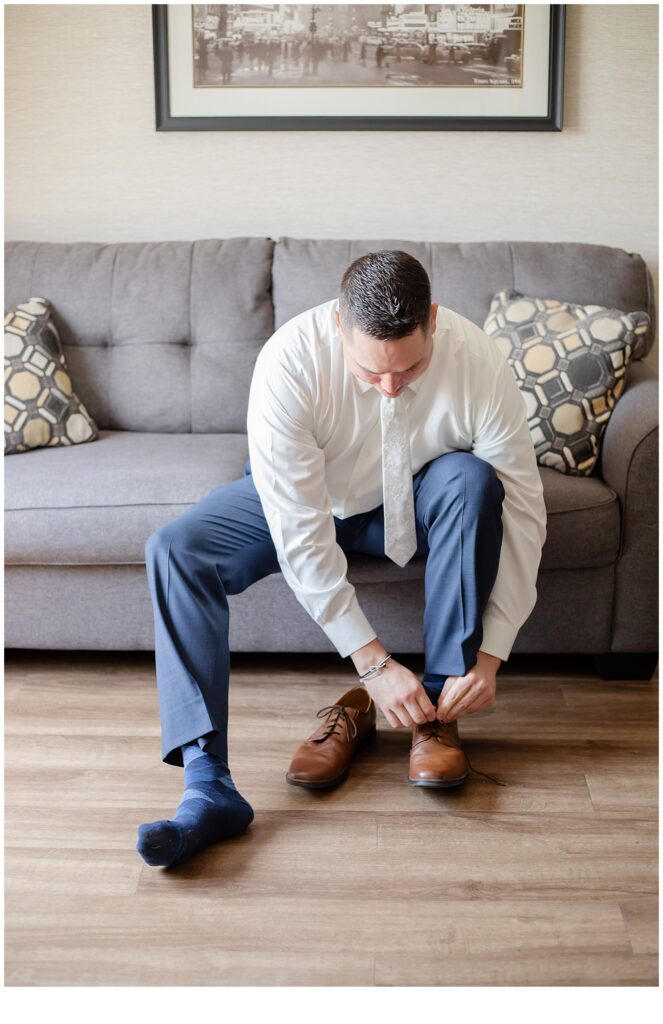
378, 422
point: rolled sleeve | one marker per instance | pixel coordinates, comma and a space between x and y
288, 469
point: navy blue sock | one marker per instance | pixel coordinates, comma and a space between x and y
433, 685
211, 809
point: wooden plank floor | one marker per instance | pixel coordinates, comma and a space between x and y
549, 880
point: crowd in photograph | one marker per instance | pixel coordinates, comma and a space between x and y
262, 54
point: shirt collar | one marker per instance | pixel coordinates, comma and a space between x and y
363, 385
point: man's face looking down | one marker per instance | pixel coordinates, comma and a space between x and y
389, 365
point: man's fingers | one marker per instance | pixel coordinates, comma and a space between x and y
391, 718
449, 701
422, 708
469, 704
414, 709
460, 709
456, 702
402, 715
427, 706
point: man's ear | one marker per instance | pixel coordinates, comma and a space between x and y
339, 325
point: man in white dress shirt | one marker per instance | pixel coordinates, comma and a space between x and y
378, 422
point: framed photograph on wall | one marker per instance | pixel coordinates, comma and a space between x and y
367, 67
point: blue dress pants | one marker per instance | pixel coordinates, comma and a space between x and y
222, 545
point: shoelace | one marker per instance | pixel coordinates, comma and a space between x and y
436, 730
341, 713
337, 713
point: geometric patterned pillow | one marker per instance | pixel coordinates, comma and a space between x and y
570, 363
41, 409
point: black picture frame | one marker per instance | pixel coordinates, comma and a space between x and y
550, 122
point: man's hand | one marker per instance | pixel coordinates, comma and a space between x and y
400, 696
475, 691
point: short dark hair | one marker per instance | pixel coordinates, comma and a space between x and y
386, 294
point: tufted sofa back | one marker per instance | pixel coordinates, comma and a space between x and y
163, 336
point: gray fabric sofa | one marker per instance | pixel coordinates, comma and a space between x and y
161, 339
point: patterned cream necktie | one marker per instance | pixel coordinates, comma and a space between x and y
400, 534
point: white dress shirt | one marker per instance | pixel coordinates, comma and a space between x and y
315, 447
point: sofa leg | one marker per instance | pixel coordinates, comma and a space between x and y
626, 665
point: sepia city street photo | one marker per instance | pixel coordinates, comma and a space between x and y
476, 46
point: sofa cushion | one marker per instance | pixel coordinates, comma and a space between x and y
41, 407
97, 504
570, 362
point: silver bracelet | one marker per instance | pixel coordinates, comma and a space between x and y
374, 668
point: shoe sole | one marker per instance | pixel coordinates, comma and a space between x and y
368, 737
438, 783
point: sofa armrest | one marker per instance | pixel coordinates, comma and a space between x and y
629, 465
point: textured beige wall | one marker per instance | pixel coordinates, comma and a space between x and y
83, 160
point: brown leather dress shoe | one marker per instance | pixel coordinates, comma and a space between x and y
436, 756
323, 760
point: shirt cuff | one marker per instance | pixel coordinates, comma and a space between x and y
498, 637
350, 631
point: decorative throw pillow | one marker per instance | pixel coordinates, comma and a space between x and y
41, 409
570, 363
